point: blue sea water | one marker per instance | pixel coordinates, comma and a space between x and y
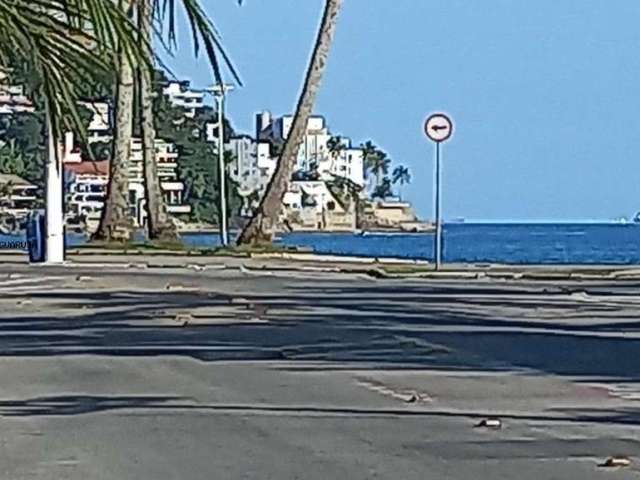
475, 243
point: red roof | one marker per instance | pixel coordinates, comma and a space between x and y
89, 168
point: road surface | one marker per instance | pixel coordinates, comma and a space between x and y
127, 373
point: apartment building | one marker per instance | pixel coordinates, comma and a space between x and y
182, 96
314, 153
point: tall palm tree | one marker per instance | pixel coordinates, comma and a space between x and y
380, 164
62, 46
115, 222
162, 15
402, 176
261, 226
159, 225
369, 151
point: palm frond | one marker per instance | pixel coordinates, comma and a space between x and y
61, 45
203, 32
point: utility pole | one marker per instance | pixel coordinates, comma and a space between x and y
219, 92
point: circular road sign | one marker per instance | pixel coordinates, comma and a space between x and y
438, 127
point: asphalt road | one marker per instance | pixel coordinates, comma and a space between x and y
116, 373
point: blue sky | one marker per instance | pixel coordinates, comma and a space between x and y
545, 94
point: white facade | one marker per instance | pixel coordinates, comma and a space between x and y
86, 193
180, 95
312, 195
22, 195
13, 99
100, 125
314, 152
253, 166
349, 164
172, 189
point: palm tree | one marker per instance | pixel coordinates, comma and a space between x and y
383, 189
116, 222
261, 226
402, 176
335, 146
368, 152
162, 13
159, 225
379, 165
61, 47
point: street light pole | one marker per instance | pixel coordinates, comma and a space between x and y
219, 92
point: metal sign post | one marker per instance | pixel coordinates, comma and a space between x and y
438, 128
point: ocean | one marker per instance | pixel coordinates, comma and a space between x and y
550, 244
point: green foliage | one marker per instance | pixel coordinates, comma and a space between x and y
23, 150
12, 159
49, 44
376, 161
401, 175
198, 165
383, 189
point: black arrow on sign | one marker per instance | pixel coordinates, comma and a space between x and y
435, 128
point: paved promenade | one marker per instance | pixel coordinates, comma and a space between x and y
125, 372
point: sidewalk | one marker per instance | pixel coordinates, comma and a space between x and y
373, 267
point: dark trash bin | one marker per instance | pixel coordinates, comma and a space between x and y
36, 237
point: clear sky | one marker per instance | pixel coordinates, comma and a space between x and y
545, 94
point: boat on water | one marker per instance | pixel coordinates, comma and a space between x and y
636, 219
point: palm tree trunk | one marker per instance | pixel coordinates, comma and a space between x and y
261, 227
356, 211
159, 225
115, 222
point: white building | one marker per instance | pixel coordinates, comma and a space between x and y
13, 98
252, 166
99, 127
172, 188
314, 153
181, 96
21, 196
86, 189
312, 206
98, 130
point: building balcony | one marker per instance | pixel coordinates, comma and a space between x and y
179, 208
172, 186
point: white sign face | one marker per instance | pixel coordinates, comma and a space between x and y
438, 127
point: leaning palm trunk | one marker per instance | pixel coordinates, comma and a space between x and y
159, 225
115, 223
261, 227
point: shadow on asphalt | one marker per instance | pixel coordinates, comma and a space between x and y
337, 326
67, 405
